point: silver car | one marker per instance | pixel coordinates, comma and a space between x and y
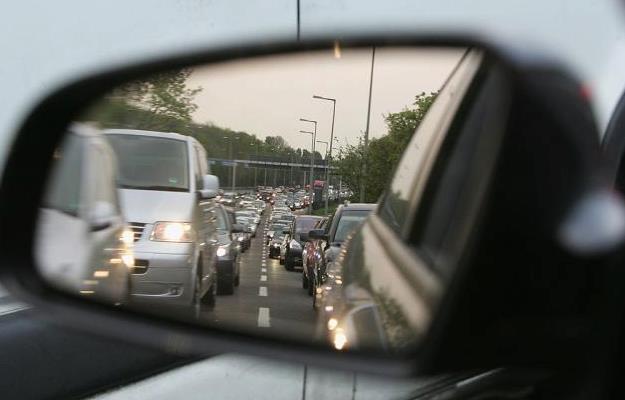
165, 189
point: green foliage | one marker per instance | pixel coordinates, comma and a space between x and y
165, 95
383, 153
164, 103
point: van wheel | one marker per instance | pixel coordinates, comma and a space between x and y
196, 302
305, 283
209, 298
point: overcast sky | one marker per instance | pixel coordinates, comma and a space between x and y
267, 96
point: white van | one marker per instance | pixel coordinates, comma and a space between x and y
83, 243
165, 187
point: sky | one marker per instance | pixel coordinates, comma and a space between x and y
267, 96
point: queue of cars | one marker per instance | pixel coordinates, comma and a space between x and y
312, 242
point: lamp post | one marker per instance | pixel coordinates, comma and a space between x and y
312, 160
328, 159
364, 162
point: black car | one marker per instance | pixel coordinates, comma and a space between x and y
228, 253
298, 234
275, 243
346, 218
243, 238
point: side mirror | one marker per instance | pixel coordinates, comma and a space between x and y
102, 215
317, 234
211, 182
237, 228
210, 187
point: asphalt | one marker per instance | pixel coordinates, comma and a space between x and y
269, 300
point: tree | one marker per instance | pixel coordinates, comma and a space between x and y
165, 96
383, 153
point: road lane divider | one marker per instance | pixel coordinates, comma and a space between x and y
263, 317
263, 278
262, 291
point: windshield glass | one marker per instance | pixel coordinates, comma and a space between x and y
151, 163
348, 222
305, 224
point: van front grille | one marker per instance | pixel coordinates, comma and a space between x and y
137, 229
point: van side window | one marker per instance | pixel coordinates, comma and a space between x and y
64, 190
105, 189
199, 183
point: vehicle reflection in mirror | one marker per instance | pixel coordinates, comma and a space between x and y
241, 224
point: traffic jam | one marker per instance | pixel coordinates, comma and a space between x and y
283, 278
246, 260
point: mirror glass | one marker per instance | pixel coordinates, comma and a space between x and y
291, 143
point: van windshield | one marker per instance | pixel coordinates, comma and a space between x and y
151, 163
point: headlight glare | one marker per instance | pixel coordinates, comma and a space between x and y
172, 232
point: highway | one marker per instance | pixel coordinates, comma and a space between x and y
269, 299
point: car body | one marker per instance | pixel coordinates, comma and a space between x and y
82, 202
251, 213
297, 236
276, 245
243, 237
356, 305
275, 228
228, 253
346, 218
160, 178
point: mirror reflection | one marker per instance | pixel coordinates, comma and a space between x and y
233, 195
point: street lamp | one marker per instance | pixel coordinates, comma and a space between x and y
326, 151
312, 164
312, 160
328, 160
364, 163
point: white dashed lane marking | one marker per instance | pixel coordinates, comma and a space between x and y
263, 317
262, 291
263, 278
263, 270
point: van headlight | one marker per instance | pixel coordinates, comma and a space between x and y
172, 232
127, 237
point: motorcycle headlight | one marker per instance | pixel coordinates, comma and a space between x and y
172, 232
